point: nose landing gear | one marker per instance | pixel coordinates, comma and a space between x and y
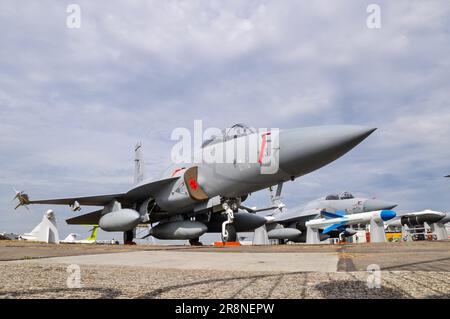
228, 230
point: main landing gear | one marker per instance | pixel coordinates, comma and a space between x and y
128, 237
229, 233
195, 242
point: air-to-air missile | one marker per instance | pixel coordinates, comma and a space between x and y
436, 220
417, 218
340, 221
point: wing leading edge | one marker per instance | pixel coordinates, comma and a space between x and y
99, 200
140, 191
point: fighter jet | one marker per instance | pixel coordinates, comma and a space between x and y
290, 225
190, 199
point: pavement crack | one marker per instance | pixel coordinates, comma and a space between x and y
275, 285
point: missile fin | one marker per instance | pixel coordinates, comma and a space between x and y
332, 227
333, 215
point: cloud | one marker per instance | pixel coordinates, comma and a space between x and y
73, 102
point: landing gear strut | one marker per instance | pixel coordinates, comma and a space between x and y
342, 237
128, 237
228, 230
195, 242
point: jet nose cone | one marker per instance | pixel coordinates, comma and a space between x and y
387, 214
304, 150
352, 134
371, 205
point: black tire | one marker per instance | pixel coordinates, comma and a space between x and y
195, 242
128, 237
232, 234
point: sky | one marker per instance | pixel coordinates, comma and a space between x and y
74, 101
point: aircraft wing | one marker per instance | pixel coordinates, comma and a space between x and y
86, 219
100, 200
140, 191
146, 188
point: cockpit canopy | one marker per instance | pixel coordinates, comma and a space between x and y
237, 130
344, 195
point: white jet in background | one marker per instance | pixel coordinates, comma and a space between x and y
91, 239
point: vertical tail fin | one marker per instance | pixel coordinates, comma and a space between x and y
138, 164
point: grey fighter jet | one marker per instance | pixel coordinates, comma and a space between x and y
191, 199
290, 225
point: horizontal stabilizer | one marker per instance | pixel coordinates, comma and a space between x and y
86, 219
332, 227
329, 215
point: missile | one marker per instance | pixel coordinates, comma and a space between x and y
418, 218
284, 233
243, 222
178, 230
119, 220
348, 232
339, 220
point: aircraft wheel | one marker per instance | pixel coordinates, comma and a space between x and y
128, 237
232, 235
195, 242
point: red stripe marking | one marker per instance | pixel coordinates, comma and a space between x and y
263, 145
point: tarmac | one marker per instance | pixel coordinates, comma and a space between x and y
407, 270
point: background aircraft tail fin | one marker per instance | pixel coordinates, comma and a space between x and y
138, 164
93, 235
70, 238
